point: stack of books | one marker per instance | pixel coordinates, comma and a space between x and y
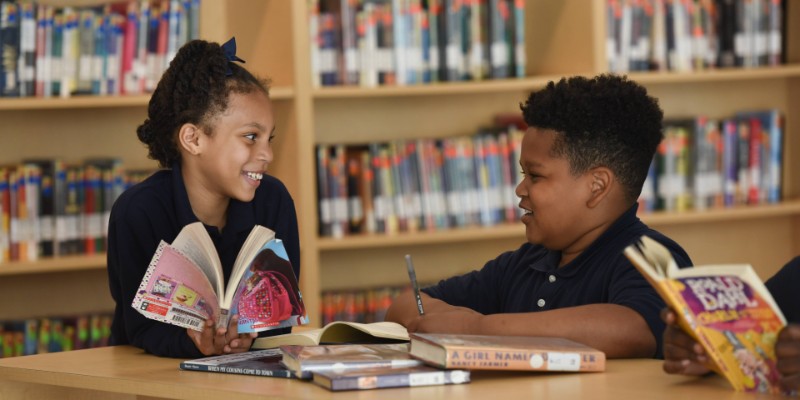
354, 356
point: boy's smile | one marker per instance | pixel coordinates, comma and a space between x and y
553, 199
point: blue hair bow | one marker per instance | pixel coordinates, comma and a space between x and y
229, 49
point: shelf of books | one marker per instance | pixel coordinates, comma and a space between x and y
531, 83
55, 264
85, 102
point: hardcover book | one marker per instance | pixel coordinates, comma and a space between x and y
184, 284
518, 353
338, 332
303, 360
726, 308
380, 378
260, 363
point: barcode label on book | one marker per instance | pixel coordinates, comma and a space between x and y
563, 361
191, 322
426, 379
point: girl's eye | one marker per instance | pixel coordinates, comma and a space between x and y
251, 137
271, 137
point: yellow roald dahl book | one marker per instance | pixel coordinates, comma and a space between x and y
726, 308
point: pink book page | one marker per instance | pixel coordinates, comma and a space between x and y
176, 291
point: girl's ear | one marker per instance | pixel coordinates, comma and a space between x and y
189, 138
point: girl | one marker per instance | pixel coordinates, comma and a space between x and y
210, 122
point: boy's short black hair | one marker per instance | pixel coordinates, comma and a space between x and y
607, 121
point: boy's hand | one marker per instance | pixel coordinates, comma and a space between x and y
787, 351
455, 320
682, 354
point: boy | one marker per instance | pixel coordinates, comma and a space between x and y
584, 159
682, 355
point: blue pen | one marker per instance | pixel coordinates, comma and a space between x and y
413, 276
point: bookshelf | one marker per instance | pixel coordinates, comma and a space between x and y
563, 38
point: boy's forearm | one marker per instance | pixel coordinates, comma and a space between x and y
404, 308
617, 330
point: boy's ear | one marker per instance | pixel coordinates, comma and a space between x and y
189, 138
600, 185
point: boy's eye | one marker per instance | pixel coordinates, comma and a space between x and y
251, 137
272, 136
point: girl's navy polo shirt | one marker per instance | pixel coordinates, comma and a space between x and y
528, 279
156, 209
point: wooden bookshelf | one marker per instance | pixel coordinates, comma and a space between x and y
563, 38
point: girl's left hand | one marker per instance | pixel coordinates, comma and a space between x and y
235, 342
221, 341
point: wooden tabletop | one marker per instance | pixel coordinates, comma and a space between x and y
125, 372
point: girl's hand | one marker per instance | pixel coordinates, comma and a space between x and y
238, 343
210, 341
221, 341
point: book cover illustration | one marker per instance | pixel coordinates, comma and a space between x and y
380, 378
175, 290
268, 295
734, 320
259, 362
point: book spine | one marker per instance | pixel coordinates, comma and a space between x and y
405, 379
505, 359
190, 366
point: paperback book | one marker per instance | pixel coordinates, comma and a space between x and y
726, 308
520, 353
259, 362
184, 284
303, 360
380, 378
338, 332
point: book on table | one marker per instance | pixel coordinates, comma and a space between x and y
380, 378
338, 332
184, 283
725, 308
521, 353
303, 360
258, 362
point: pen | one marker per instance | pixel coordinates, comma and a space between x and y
413, 276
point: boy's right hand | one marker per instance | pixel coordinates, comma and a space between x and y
682, 354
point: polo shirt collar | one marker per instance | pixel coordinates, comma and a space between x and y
240, 215
549, 262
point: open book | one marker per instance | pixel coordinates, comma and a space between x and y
726, 308
184, 284
338, 332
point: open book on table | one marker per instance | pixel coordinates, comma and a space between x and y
338, 332
726, 308
184, 284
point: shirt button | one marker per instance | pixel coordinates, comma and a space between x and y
540, 303
551, 278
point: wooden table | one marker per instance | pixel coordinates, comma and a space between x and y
125, 372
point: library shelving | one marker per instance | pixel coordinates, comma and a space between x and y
563, 38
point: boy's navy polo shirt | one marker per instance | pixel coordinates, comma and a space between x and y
156, 209
528, 279
783, 287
